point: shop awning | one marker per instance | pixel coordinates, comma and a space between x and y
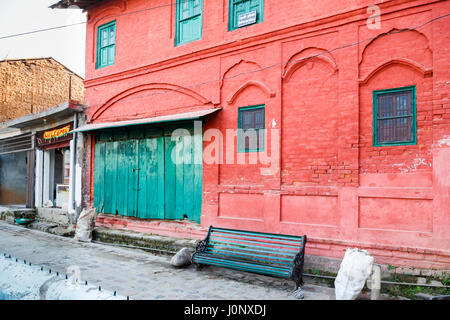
51, 115
161, 119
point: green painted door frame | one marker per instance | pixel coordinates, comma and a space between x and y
144, 172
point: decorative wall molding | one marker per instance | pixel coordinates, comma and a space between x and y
426, 72
250, 83
147, 87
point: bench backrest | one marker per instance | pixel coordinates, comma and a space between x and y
264, 249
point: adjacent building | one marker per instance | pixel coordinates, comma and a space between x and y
327, 118
36, 143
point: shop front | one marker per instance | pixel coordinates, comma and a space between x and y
51, 161
53, 146
16, 170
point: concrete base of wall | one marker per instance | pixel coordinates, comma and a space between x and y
50, 220
55, 215
176, 229
53, 228
151, 242
322, 254
10, 213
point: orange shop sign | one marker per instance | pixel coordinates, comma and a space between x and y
57, 133
54, 135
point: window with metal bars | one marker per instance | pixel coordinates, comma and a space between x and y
189, 21
239, 8
394, 117
106, 44
251, 129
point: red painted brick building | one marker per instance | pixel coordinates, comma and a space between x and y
359, 102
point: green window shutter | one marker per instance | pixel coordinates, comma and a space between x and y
394, 117
189, 21
251, 129
239, 7
106, 44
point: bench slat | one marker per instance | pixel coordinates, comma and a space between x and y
259, 242
259, 239
279, 251
247, 255
243, 266
268, 235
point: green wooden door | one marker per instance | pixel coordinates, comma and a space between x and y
151, 176
115, 174
147, 173
183, 174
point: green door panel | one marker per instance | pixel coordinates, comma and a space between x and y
122, 178
170, 180
99, 173
133, 185
145, 173
150, 193
198, 175
188, 183
110, 177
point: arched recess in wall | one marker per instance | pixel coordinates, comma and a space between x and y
308, 55
244, 76
264, 88
408, 47
310, 113
149, 100
413, 65
239, 69
394, 60
103, 16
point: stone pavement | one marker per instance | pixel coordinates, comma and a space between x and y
142, 275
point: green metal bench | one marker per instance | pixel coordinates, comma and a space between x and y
263, 253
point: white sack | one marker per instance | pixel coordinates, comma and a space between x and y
85, 225
353, 274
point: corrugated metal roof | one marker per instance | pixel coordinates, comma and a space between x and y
169, 118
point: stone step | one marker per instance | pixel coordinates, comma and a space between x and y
52, 228
157, 243
10, 214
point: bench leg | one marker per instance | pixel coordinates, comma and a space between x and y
198, 267
299, 293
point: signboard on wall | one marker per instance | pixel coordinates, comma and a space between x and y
54, 135
246, 18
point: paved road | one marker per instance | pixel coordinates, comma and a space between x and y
135, 273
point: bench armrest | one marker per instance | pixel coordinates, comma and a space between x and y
201, 245
297, 269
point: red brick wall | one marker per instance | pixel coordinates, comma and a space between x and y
332, 184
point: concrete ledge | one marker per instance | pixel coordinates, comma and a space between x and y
176, 228
52, 228
9, 214
149, 241
55, 215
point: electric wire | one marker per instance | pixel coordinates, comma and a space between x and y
278, 64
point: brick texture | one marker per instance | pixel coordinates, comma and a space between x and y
34, 85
